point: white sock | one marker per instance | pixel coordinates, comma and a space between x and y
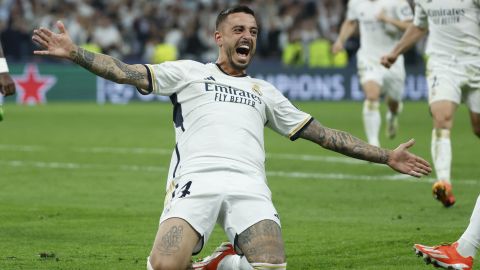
372, 121
469, 243
442, 153
236, 262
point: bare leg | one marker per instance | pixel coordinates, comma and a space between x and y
475, 121
263, 243
394, 109
173, 245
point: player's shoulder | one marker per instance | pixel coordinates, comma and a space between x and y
264, 88
190, 63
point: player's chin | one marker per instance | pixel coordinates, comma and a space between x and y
242, 62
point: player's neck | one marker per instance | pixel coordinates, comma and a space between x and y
229, 70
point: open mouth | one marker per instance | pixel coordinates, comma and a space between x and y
243, 50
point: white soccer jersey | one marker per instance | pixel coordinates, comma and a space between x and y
219, 119
377, 38
454, 27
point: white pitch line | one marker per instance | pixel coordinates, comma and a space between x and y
160, 151
290, 174
312, 158
342, 176
77, 166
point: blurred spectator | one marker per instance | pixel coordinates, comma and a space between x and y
107, 35
16, 34
132, 29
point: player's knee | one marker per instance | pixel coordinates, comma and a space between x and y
369, 105
270, 266
442, 120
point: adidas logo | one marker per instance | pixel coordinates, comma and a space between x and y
209, 78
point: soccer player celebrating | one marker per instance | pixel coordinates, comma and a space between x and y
460, 254
381, 23
217, 172
453, 74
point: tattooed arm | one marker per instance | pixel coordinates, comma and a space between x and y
60, 45
110, 68
342, 142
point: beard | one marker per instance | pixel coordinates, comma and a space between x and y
238, 65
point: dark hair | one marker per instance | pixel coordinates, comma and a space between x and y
236, 9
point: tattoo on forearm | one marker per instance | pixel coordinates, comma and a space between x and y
107, 67
131, 74
344, 143
170, 242
83, 57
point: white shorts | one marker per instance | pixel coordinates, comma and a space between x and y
234, 200
391, 81
455, 82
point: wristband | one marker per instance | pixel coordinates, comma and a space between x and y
3, 65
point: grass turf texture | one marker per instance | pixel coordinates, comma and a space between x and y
82, 187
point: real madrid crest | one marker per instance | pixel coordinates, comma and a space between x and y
256, 89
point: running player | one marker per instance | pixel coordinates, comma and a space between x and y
7, 86
453, 74
217, 172
381, 23
459, 255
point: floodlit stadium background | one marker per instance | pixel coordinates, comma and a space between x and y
82, 178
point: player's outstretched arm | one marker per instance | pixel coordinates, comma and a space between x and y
402, 25
410, 37
346, 31
400, 159
60, 45
7, 86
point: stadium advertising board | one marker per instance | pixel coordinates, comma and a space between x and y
42, 83
296, 84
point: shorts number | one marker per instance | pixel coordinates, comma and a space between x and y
184, 190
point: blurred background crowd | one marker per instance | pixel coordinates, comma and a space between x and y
299, 32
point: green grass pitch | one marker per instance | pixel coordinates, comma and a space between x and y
82, 187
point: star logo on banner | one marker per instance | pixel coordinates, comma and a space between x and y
32, 87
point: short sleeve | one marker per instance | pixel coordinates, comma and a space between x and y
285, 118
404, 11
168, 76
351, 14
421, 19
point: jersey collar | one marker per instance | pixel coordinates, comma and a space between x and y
218, 66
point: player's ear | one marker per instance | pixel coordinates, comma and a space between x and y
218, 38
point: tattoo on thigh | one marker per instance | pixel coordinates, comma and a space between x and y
262, 241
170, 242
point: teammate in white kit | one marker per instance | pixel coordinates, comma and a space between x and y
381, 23
453, 74
217, 172
460, 254
7, 86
